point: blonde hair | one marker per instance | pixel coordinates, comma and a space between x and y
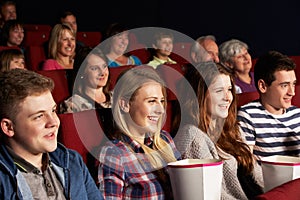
55, 36
128, 85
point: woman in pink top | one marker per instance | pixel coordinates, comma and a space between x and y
61, 48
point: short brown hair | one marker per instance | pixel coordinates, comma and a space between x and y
16, 85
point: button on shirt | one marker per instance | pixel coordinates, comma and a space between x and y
43, 183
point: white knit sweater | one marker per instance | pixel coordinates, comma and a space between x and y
195, 144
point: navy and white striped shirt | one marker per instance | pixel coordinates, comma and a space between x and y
270, 134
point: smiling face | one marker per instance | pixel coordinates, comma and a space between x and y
164, 47
17, 62
36, 126
278, 96
9, 12
16, 36
119, 43
241, 62
145, 109
96, 72
66, 43
212, 49
219, 97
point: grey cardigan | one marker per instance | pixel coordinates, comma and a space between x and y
193, 143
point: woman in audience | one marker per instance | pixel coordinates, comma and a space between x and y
12, 34
11, 59
132, 164
117, 45
235, 55
91, 82
209, 129
61, 48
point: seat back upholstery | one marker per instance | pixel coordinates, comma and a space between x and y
171, 74
37, 27
35, 56
89, 38
296, 59
81, 131
181, 52
36, 38
296, 98
140, 50
286, 191
246, 97
115, 72
61, 88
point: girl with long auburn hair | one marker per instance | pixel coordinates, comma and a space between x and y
209, 129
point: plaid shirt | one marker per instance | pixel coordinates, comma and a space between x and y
125, 173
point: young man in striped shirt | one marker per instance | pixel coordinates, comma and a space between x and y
271, 124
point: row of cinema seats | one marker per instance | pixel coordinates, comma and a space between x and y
36, 36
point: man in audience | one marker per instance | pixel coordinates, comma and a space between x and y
68, 17
208, 42
199, 54
271, 124
8, 11
32, 164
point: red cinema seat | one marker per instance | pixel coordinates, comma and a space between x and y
286, 191
115, 72
140, 51
8, 47
37, 27
181, 52
132, 38
81, 131
36, 38
35, 55
171, 74
296, 98
253, 64
246, 97
61, 88
296, 59
89, 38
84, 132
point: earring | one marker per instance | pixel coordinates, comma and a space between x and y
81, 77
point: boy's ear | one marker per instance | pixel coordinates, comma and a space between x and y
154, 46
262, 86
124, 105
7, 127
